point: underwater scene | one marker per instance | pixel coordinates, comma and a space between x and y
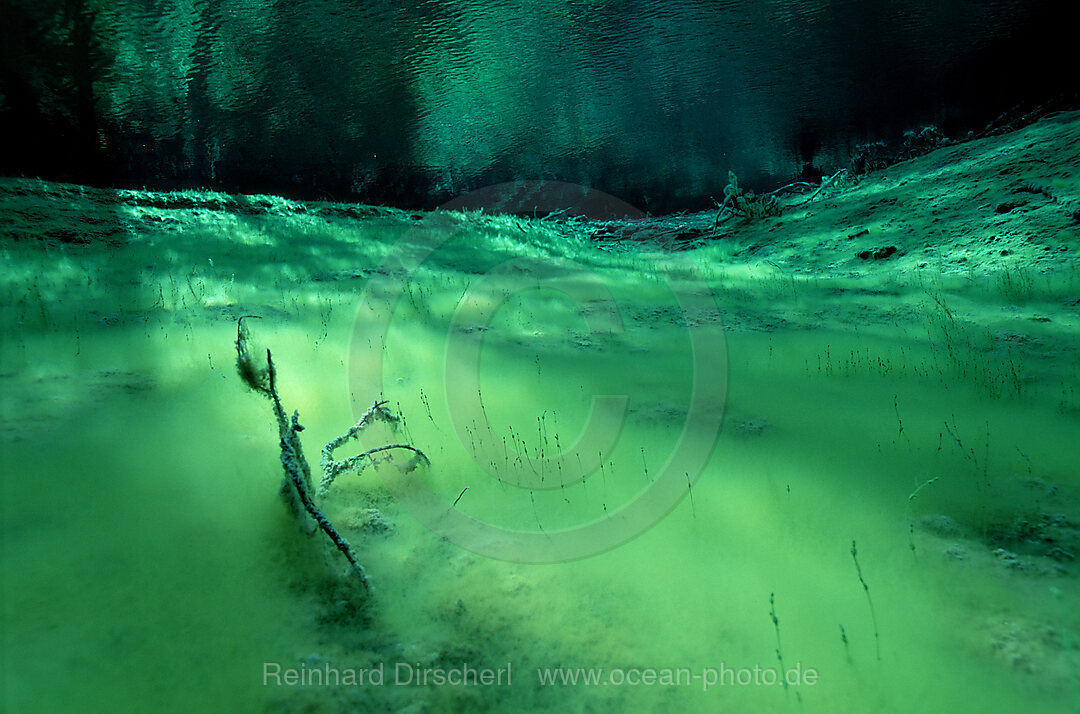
507, 438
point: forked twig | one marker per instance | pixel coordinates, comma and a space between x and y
332, 469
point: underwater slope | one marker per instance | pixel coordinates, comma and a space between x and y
892, 500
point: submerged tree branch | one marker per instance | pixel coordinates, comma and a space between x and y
332, 469
297, 487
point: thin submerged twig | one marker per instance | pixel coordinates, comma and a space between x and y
376, 412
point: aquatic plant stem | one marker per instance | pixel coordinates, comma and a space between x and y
907, 510
779, 649
869, 600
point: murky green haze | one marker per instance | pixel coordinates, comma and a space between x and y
150, 565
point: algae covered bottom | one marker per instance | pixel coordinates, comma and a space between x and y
921, 401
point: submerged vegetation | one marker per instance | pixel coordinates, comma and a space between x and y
922, 404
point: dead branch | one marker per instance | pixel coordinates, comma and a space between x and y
297, 487
332, 469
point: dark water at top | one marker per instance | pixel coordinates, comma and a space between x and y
415, 102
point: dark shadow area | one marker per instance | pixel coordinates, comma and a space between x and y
412, 105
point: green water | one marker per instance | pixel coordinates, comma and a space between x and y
150, 565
